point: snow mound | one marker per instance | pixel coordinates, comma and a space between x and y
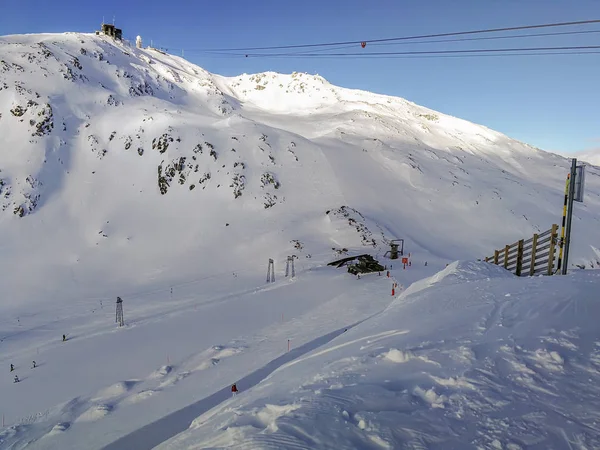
115, 390
138, 397
398, 356
59, 428
161, 373
96, 412
459, 272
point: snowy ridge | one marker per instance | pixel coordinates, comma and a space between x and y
592, 156
494, 362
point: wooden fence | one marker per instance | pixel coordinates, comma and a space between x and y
529, 257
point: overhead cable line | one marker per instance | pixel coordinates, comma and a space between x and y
349, 46
404, 38
489, 38
480, 55
427, 52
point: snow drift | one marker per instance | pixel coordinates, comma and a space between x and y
476, 359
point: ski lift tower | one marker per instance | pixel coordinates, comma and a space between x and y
290, 264
271, 271
396, 248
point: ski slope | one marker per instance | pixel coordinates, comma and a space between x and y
472, 358
134, 173
105, 382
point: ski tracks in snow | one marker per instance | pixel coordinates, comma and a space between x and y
118, 395
161, 430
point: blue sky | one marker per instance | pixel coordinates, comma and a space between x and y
552, 102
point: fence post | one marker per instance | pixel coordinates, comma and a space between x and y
533, 249
506, 249
519, 258
496, 256
553, 236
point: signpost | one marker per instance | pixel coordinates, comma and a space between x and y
579, 183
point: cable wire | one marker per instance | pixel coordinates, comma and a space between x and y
428, 52
404, 38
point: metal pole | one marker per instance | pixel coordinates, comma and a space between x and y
564, 223
569, 215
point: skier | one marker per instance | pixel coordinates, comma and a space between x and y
34, 365
16, 379
64, 337
234, 390
12, 367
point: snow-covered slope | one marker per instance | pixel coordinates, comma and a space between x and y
472, 358
590, 156
132, 172
94, 131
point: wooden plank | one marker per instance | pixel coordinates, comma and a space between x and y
541, 260
533, 251
512, 256
506, 255
542, 247
496, 254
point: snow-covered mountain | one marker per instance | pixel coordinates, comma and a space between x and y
132, 172
124, 165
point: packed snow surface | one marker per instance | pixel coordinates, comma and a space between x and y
130, 172
479, 359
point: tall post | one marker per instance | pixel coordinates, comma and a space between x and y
533, 251
564, 223
271, 271
119, 318
569, 215
519, 267
290, 265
